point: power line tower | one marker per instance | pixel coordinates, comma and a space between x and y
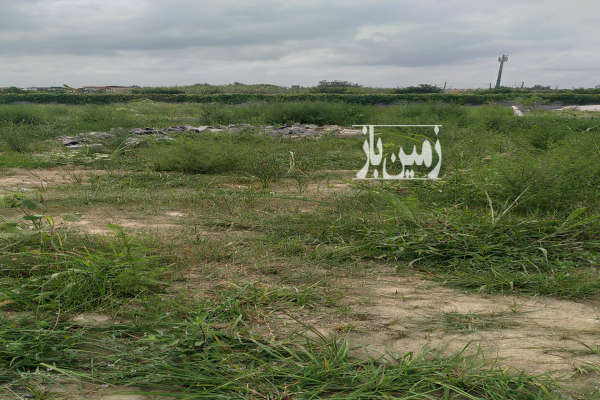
502, 59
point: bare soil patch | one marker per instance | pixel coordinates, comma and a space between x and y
92, 319
590, 107
313, 189
71, 391
97, 222
19, 179
404, 314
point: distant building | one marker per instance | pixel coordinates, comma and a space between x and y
337, 84
55, 89
107, 89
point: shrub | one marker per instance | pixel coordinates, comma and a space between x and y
19, 115
422, 88
73, 276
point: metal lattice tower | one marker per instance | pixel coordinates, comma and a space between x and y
502, 59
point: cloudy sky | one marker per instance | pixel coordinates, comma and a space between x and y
373, 42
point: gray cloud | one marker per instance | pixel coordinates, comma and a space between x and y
374, 42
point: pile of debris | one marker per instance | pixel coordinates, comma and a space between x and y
139, 135
300, 130
89, 139
171, 129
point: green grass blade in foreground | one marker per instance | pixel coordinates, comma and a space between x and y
196, 358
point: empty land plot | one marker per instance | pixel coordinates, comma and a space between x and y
215, 265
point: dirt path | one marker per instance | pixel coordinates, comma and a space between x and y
403, 314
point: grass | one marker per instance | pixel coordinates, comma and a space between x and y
195, 358
455, 322
239, 93
199, 348
263, 236
42, 273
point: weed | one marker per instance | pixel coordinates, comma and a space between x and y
73, 277
198, 356
453, 322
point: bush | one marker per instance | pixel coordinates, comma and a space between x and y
252, 154
19, 115
157, 90
74, 276
422, 88
319, 113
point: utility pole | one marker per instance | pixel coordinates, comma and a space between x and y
502, 59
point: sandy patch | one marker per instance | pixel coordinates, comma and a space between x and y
18, 179
176, 214
73, 391
235, 186
328, 187
405, 314
590, 107
317, 189
92, 319
97, 223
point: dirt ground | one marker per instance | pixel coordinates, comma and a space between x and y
397, 313
405, 313
591, 107
21, 179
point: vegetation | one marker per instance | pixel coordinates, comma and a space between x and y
423, 88
226, 299
326, 91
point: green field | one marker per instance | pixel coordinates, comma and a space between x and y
213, 266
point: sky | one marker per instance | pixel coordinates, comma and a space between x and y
380, 43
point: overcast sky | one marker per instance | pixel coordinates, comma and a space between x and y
372, 42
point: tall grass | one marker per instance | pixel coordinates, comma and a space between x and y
185, 350
69, 274
249, 153
195, 348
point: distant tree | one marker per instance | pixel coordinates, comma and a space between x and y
540, 87
422, 88
335, 86
13, 89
